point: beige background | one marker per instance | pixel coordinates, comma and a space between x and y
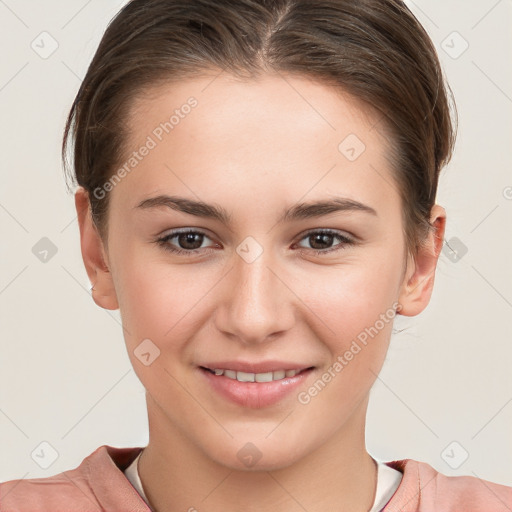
65, 379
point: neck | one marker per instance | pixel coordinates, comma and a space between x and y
177, 475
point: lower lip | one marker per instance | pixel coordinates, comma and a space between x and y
255, 394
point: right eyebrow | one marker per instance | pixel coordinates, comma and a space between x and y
192, 207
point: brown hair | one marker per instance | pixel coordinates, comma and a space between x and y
374, 50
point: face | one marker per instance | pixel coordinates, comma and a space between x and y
293, 260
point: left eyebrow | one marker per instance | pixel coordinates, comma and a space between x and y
298, 212
319, 208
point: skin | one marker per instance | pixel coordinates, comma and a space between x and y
255, 148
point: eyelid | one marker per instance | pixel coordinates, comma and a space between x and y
330, 231
179, 231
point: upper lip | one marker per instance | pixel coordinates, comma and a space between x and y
256, 367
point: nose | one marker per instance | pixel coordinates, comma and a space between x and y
256, 303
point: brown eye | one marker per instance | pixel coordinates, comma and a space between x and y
322, 241
190, 240
186, 242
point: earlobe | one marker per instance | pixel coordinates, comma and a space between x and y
94, 255
418, 282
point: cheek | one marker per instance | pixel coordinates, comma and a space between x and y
352, 297
161, 301
355, 309
163, 304
359, 314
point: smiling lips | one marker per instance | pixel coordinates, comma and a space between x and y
256, 388
255, 384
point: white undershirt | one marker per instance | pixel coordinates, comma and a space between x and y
388, 480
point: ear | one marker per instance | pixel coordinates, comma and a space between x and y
418, 283
94, 256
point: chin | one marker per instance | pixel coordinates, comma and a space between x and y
253, 456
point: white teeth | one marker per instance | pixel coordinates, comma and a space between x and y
256, 377
245, 377
264, 377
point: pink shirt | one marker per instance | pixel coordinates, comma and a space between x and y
99, 483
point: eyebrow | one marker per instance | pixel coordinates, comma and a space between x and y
299, 211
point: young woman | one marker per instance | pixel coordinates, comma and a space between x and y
256, 194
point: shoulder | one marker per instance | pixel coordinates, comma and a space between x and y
424, 489
98, 483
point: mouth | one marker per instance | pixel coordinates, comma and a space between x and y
256, 390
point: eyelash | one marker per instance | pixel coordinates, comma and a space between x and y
164, 242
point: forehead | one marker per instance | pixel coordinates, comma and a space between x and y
281, 134
266, 102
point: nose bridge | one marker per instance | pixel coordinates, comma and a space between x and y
257, 303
